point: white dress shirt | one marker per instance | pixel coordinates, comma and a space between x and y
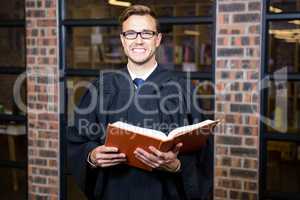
144, 76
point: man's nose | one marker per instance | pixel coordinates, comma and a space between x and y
139, 39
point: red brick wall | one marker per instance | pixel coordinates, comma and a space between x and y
237, 99
43, 99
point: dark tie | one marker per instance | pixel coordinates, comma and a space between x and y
138, 82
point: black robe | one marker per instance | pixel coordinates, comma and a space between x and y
112, 92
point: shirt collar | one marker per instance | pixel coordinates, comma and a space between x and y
144, 76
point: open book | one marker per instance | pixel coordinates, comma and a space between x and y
127, 138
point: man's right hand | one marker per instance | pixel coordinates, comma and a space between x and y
104, 156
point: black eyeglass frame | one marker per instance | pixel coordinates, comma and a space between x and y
140, 33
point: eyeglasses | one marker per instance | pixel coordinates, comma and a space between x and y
131, 35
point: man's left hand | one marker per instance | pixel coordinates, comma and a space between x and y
160, 160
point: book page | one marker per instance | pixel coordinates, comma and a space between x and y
184, 129
142, 131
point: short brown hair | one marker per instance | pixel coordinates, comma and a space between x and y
138, 10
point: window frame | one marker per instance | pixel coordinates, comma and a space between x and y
266, 135
12, 118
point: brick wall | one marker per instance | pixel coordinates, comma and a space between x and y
237, 99
43, 110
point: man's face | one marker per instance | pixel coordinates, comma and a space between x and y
140, 51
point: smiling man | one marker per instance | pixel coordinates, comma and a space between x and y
146, 95
140, 39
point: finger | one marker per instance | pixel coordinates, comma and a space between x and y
110, 156
145, 161
110, 164
177, 148
149, 156
157, 152
101, 162
106, 149
168, 162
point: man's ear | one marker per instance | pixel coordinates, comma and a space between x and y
158, 39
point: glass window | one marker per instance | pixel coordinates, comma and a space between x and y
284, 107
13, 183
12, 47
12, 9
12, 136
95, 48
183, 47
280, 6
283, 164
103, 9
284, 46
76, 88
205, 92
13, 142
10, 103
187, 48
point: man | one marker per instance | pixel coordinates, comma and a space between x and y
143, 94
